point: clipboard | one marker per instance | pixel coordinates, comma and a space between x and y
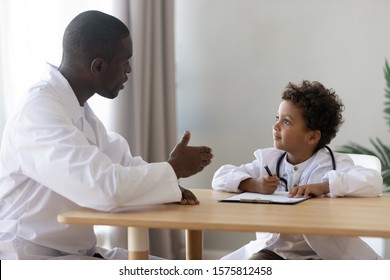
278, 197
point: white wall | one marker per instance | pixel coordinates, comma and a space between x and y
234, 57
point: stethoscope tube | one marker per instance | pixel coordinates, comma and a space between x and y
279, 163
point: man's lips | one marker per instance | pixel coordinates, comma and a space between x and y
123, 86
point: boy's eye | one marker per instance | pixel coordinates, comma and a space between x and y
284, 121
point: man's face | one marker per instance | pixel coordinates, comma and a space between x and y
117, 70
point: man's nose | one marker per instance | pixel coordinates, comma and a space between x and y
128, 68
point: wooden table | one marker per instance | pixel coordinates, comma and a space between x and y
317, 216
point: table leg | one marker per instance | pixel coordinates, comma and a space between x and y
138, 243
194, 244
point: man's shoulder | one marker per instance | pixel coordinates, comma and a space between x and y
43, 104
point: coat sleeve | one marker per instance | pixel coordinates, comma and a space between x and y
351, 180
341, 248
228, 177
55, 153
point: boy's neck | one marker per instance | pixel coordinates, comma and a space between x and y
298, 158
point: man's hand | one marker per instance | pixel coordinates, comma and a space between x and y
189, 160
187, 197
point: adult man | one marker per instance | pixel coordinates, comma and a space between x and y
56, 155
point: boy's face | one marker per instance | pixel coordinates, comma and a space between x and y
289, 131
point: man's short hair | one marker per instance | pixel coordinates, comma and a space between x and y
93, 34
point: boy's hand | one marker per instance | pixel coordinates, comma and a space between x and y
263, 185
309, 190
268, 184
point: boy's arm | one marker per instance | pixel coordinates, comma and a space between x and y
228, 177
355, 181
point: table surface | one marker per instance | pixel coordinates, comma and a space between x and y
330, 216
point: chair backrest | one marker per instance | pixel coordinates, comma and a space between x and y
367, 161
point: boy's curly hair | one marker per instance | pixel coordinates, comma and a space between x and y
321, 108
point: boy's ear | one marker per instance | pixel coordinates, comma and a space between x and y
314, 136
98, 66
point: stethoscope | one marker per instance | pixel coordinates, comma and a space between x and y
279, 163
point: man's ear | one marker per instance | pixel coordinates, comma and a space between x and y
98, 66
314, 136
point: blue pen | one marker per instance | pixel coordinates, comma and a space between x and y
267, 169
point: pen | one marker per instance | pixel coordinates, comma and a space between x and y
267, 169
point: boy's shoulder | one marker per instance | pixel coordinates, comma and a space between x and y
268, 153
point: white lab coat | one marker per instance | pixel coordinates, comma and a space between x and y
346, 180
57, 156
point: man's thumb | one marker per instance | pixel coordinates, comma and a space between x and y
186, 138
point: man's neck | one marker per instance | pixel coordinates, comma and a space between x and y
77, 83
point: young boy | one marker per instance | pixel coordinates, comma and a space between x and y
308, 118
